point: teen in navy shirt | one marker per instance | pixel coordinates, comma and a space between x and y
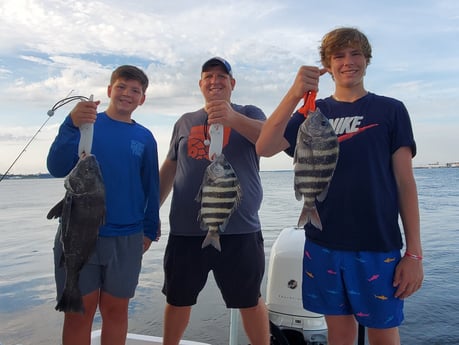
353, 269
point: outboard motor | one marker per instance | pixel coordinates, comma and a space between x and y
296, 325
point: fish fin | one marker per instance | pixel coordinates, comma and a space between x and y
222, 226
198, 196
238, 196
321, 197
56, 211
212, 238
102, 215
62, 260
66, 214
298, 195
71, 301
202, 224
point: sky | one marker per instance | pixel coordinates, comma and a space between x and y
50, 49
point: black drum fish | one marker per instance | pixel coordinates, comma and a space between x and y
219, 195
315, 158
82, 212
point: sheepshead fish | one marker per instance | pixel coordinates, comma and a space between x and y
219, 195
82, 212
315, 158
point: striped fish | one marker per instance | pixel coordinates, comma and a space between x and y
316, 155
219, 195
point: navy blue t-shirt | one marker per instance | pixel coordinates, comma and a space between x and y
361, 211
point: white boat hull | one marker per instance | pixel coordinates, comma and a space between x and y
284, 298
139, 339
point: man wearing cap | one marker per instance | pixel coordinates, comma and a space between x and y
239, 267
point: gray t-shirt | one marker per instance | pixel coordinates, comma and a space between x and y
188, 148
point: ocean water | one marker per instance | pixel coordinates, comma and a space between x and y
27, 296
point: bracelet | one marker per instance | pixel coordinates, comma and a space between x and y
413, 256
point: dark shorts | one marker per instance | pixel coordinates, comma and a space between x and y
114, 267
238, 269
345, 282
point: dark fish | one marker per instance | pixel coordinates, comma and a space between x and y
82, 212
316, 155
219, 195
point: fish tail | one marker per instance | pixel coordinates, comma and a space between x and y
212, 238
71, 301
315, 219
309, 215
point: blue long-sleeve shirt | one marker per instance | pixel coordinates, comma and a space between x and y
128, 158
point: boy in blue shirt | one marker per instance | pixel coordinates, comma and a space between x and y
128, 159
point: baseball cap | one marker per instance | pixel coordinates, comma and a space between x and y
217, 61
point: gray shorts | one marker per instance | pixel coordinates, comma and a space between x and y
114, 267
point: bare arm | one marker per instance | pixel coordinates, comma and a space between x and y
408, 199
409, 273
220, 111
271, 139
166, 179
247, 127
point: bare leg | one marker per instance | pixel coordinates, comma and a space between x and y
342, 329
175, 322
388, 336
77, 327
256, 323
114, 312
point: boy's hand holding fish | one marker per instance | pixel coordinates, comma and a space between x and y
84, 112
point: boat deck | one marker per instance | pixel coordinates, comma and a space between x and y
138, 339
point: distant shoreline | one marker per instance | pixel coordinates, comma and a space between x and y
47, 176
27, 176
438, 165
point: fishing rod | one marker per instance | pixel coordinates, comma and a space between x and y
50, 113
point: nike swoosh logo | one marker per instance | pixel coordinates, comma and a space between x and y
348, 136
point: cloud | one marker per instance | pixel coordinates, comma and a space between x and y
50, 48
